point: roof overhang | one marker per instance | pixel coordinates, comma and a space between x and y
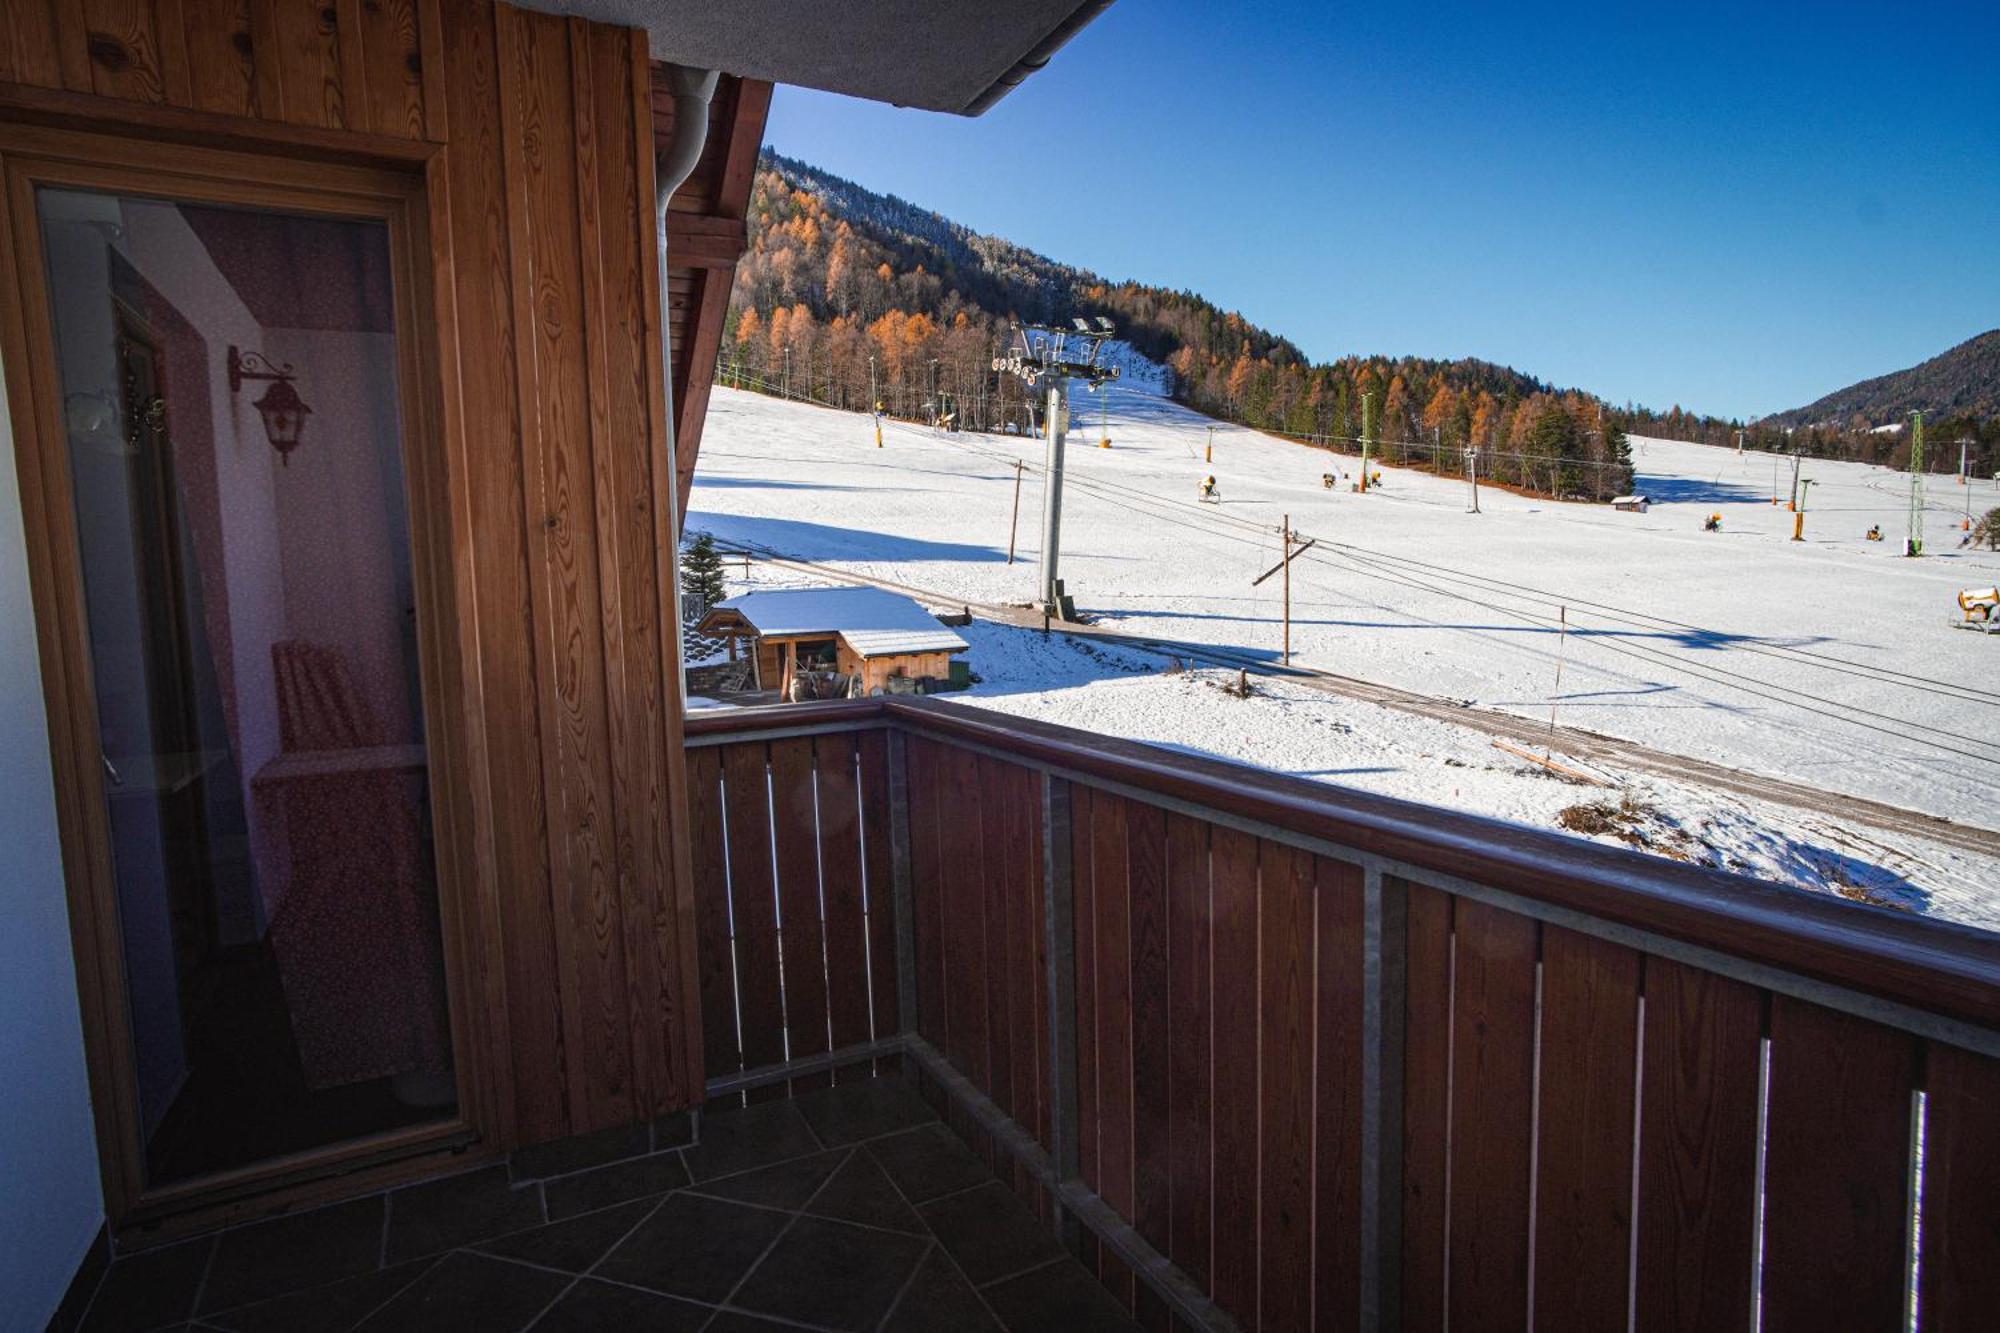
938, 55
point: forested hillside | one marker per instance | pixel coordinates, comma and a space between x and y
841, 283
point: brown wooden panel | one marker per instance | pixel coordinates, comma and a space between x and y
1836, 1171
1338, 931
1697, 1149
1590, 1053
481, 409
124, 45
1287, 890
1019, 797
391, 70
1427, 1053
841, 885
1084, 805
927, 874
1111, 898
964, 929
214, 36
1189, 1029
711, 891
1152, 1092
794, 828
297, 50
1960, 1262
1233, 870
878, 859
539, 134
752, 905
993, 876
28, 51
1492, 1110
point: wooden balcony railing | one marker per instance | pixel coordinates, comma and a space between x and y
1273, 1055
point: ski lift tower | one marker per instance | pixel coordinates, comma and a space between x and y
1047, 358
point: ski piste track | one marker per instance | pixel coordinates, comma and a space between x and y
1570, 742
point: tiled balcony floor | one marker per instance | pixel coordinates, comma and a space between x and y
849, 1208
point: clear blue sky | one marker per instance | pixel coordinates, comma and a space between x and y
1736, 211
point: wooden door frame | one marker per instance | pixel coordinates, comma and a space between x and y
131, 159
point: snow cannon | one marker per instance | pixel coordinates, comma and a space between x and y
1979, 609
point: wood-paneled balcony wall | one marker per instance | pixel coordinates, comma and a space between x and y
1273, 1055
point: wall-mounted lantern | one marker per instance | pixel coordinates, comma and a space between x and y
284, 412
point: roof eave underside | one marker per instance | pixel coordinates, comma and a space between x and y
936, 55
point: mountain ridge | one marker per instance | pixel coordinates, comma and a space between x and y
1960, 381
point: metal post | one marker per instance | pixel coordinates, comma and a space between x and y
1059, 946
1052, 478
1014, 523
1208, 454
1384, 949
1472, 472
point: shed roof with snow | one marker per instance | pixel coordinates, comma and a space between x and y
871, 621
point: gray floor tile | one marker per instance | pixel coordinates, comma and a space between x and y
831, 1274
572, 1245
332, 1308
469, 1291
1060, 1296
287, 1254
989, 1232
587, 1191
600, 1307
928, 1162
940, 1298
861, 1192
458, 1210
787, 1185
149, 1288
694, 1247
753, 1136
863, 1109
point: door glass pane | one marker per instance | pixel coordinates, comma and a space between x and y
229, 390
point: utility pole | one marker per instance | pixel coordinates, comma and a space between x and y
1048, 357
1014, 523
1367, 432
1914, 544
1472, 475
874, 403
1739, 443
1285, 551
1437, 450
1288, 553
788, 371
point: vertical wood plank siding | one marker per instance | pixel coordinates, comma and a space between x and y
546, 345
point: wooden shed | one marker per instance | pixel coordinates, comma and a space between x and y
868, 633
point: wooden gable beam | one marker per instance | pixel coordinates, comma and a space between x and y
706, 235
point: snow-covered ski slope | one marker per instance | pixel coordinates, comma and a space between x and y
1829, 662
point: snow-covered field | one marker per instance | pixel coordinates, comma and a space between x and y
1829, 662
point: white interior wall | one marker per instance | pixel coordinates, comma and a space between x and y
50, 1205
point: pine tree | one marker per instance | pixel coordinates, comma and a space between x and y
1986, 531
701, 573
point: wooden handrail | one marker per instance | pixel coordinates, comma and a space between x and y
1920, 962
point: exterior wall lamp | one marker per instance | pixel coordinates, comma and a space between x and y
284, 412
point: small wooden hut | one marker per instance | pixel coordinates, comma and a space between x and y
865, 633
